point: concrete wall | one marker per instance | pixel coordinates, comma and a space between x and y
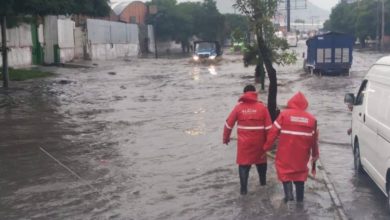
151, 39
50, 31
59, 31
20, 43
66, 40
18, 57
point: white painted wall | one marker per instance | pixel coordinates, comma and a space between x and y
66, 39
50, 31
20, 43
113, 51
79, 41
151, 39
19, 57
59, 31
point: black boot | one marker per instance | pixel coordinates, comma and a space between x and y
243, 171
288, 191
300, 190
262, 171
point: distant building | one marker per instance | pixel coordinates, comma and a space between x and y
131, 11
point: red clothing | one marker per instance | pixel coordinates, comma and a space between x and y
253, 121
297, 131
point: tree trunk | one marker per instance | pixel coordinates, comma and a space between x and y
4, 51
260, 73
273, 86
363, 42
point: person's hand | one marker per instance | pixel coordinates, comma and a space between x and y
313, 169
226, 141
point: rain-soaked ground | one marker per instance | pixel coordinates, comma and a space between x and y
143, 138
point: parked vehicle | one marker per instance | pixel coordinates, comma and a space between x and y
371, 125
292, 39
206, 51
329, 54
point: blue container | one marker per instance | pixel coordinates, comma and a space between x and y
330, 53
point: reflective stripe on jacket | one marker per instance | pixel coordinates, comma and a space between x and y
297, 132
253, 122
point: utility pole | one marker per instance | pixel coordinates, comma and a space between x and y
4, 51
383, 26
288, 6
378, 28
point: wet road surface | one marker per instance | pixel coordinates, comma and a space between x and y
145, 138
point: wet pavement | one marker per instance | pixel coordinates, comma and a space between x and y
144, 139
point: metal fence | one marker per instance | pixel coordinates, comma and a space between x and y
107, 32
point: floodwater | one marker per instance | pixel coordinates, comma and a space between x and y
143, 138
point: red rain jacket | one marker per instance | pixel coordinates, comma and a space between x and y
297, 131
253, 121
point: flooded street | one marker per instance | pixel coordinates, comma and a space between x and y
144, 138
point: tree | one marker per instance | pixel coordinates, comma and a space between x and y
361, 19
209, 22
268, 47
237, 27
180, 22
21, 8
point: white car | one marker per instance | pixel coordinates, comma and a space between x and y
371, 125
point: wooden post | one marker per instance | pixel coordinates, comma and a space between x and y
4, 51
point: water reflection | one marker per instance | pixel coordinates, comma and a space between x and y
195, 73
212, 70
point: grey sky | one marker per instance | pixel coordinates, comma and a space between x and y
325, 4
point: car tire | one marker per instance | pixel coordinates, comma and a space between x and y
356, 159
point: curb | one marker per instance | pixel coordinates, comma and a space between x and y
329, 185
333, 194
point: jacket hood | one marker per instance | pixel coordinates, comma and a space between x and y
298, 101
248, 97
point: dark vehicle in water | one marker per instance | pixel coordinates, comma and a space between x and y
206, 51
329, 54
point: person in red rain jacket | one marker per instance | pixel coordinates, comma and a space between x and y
253, 121
298, 134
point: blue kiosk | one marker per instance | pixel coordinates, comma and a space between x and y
329, 54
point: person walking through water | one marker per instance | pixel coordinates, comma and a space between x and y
253, 122
298, 137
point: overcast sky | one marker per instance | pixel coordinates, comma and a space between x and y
325, 4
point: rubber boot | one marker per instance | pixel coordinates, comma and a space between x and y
244, 174
288, 191
300, 190
262, 171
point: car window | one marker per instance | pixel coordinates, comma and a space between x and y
360, 95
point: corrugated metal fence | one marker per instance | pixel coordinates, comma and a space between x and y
106, 32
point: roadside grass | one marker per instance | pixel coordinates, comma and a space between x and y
25, 74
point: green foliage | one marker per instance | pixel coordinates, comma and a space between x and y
25, 74
260, 14
181, 21
237, 27
361, 19
54, 7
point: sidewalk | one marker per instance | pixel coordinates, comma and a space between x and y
267, 202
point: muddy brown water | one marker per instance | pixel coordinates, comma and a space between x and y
148, 140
